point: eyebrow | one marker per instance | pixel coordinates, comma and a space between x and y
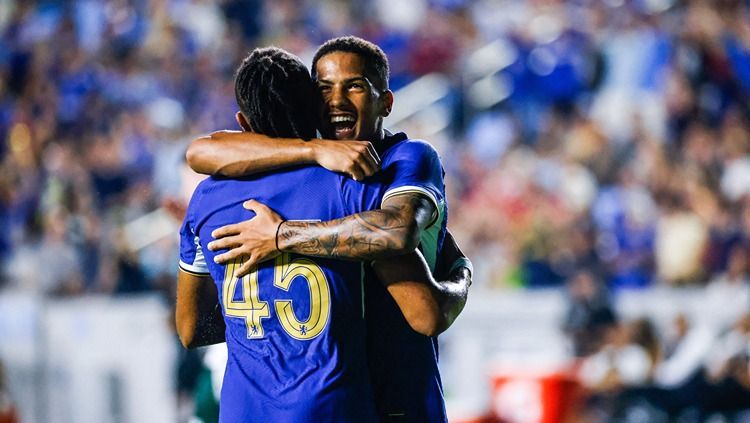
348, 80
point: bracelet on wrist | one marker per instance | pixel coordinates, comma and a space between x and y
278, 228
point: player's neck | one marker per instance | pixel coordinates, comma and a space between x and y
379, 135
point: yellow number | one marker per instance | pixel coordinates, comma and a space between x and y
251, 308
320, 297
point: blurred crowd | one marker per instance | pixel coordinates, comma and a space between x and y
692, 368
621, 147
614, 144
618, 144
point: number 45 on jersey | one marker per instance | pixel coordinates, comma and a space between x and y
254, 310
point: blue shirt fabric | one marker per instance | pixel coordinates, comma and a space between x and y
295, 327
274, 373
404, 364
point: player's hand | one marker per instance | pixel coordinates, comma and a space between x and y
253, 239
357, 159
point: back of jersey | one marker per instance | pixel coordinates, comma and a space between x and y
295, 326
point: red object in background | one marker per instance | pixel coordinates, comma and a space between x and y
9, 415
481, 419
534, 397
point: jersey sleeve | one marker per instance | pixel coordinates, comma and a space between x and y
192, 259
414, 166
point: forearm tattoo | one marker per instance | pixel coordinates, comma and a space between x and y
365, 236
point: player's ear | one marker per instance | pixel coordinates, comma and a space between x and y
243, 122
386, 102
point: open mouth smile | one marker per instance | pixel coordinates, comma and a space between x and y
343, 125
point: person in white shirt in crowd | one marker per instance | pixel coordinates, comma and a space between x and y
728, 295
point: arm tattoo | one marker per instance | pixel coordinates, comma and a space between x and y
392, 230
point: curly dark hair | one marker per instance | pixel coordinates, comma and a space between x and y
276, 95
376, 62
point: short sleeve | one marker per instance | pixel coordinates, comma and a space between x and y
192, 259
414, 166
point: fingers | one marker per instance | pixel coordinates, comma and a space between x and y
356, 172
369, 164
365, 162
254, 205
368, 159
236, 228
227, 230
224, 243
228, 256
261, 210
373, 153
248, 266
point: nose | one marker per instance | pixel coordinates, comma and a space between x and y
337, 97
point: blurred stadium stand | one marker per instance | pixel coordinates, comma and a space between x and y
598, 169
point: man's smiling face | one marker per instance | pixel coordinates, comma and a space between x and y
353, 106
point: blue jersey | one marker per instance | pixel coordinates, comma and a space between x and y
291, 375
295, 329
404, 364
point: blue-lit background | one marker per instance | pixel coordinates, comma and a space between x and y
598, 169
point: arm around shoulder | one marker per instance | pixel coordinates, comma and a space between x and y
393, 230
239, 153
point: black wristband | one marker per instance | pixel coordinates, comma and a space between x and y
277, 235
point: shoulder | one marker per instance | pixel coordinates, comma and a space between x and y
413, 145
207, 184
412, 149
198, 191
204, 193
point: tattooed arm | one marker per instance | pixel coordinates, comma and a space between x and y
429, 305
395, 229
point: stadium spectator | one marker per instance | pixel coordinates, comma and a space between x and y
615, 170
590, 314
728, 294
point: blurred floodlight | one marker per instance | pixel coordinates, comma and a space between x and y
657, 6
416, 96
491, 58
546, 28
542, 61
489, 91
401, 15
614, 3
166, 113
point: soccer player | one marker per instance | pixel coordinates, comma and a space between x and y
303, 359
352, 77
